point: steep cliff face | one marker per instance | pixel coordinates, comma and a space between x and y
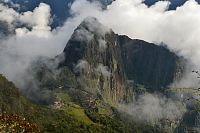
93, 54
103, 62
150, 65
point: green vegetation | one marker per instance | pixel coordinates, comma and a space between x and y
79, 114
69, 118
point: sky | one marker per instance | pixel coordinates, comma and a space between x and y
60, 9
174, 3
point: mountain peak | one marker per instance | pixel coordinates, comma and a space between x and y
97, 51
89, 28
90, 34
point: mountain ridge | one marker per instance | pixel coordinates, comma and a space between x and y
138, 60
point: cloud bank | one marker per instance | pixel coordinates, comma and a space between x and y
34, 38
179, 29
153, 108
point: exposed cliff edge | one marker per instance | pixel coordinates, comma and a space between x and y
93, 54
153, 66
106, 63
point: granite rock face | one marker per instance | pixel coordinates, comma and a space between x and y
93, 54
150, 65
103, 62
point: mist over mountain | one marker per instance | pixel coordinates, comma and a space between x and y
121, 66
93, 72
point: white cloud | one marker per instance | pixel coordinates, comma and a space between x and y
27, 44
8, 14
102, 44
104, 70
83, 34
81, 65
39, 18
152, 108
